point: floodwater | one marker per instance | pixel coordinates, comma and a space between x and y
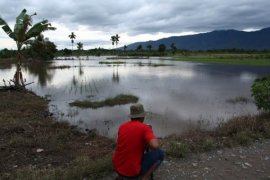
177, 95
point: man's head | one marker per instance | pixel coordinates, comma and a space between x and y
137, 112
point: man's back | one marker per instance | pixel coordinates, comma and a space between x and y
133, 136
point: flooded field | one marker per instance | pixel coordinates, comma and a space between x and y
177, 95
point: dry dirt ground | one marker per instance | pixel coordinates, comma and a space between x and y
251, 162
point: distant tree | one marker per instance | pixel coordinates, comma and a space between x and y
149, 47
174, 48
21, 34
67, 52
162, 48
139, 47
113, 39
80, 46
5, 53
117, 39
72, 36
125, 47
41, 48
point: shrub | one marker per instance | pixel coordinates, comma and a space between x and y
261, 92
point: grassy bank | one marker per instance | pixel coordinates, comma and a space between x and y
227, 58
117, 100
34, 146
238, 131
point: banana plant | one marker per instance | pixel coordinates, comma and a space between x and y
22, 33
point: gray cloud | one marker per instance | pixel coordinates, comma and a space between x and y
145, 16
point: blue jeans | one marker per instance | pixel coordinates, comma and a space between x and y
150, 158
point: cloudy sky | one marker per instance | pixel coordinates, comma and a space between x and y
94, 21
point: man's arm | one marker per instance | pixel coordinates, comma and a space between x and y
154, 143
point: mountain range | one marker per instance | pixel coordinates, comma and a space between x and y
220, 39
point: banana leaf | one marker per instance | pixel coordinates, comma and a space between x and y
21, 26
7, 29
38, 28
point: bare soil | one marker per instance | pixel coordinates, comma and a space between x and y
250, 162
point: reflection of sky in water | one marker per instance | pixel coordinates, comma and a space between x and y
176, 96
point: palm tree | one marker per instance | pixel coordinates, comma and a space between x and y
72, 36
80, 46
149, 46
117, 37
113, 39
23, 33
125, 47
139, 47
173, 47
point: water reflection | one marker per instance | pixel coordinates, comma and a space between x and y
115, 76
41, 71
176, 96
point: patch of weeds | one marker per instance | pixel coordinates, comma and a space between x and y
243, 137
117, 100
208, 145
239, 99
177, 149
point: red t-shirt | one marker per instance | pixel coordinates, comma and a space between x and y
133, 136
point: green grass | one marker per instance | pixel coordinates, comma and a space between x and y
238, 131
234, 59
117, 100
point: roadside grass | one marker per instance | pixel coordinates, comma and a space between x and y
80, 168
230, 58
117, 100
35, 146
237, 131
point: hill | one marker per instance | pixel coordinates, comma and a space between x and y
221, 39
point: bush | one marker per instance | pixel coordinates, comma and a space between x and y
261, 92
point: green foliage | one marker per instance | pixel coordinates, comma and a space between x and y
80, 46
162, 48
177, 149
139, 47
41, 48
261, 92
67, 52
5, 53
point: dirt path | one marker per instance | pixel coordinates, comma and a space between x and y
252, 162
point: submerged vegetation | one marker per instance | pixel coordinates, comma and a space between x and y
117, 100
112, 62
